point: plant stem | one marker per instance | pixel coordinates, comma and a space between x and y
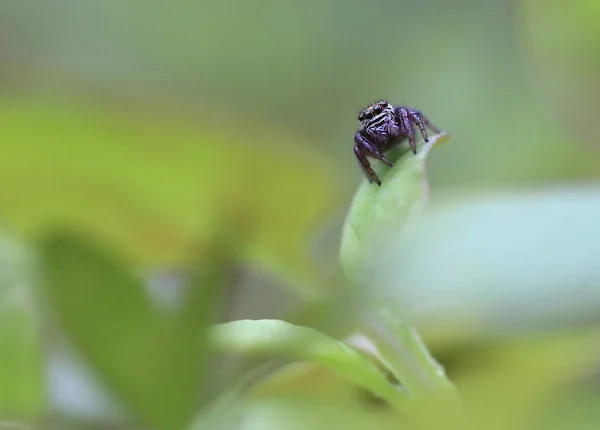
408, 357
405, 353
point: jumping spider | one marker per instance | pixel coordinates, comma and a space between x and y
383, 126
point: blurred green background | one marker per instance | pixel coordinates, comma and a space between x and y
150, 126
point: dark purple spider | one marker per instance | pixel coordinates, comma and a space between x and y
383, 126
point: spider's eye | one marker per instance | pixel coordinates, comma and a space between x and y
377, 109
368, 115
361, 116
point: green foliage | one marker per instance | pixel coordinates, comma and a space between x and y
513, 261
566, 63
401, 257
379, 213
502, 285
154, 187
21, 376
153, 360
273, 337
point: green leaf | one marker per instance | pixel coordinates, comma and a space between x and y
154, 183
297, 397
379, 213
508, 261
22, 385
274, 337
152, 360
308, 396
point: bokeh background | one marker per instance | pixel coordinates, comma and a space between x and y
152, 125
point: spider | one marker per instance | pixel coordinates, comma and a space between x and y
383, 126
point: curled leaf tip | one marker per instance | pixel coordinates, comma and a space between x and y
434, 140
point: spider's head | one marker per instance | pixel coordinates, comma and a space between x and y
375, 113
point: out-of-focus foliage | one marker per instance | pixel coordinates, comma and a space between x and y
278, 337
303, 396
561, 41
152, 185
511, 261
309, 67
310, 396
21, 378
140, 125
142, 353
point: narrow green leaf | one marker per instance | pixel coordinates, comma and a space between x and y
152, 360
302, 343
379, 213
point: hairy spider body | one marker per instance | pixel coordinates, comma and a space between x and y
383, 126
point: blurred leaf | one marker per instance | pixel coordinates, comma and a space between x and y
381, 212
310, 396
302, 343
508, 384
223, 413
510, 261
566, 62
226, 410
153, 360
21, 375
576, 407
153, 184
511, 383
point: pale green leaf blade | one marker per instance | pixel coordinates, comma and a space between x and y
511, 260
274, 337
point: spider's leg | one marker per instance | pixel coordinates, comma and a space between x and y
426, 121
371, 149
366, 166
402, 113
361, 151
416, 119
